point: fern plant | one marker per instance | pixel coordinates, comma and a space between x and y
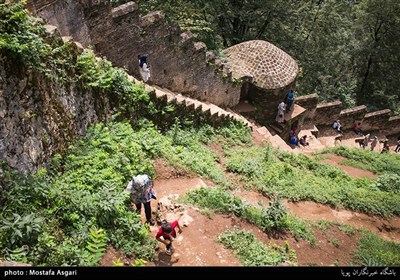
96, 246
18, 254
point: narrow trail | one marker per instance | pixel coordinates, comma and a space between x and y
198, 246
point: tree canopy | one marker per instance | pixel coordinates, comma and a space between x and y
347, 50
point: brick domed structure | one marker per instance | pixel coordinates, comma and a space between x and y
267, 66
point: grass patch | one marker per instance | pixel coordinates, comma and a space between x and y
298, 177
367, 160
273, 218
253, 252
374, 251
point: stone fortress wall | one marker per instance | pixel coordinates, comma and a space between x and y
181, 64
178, 62
323, 114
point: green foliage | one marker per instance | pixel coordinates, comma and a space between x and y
96, 246
100, 74
302, 178
334, 242
349, 230
139, 262
18, 254
252, 252
20, 34
269, 219
21, 229
367, 160
83, 191
118, 262
375, 251
275, 213
388, 182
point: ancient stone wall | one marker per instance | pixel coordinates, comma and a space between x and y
326, 113
181, 64
323, 115
177, 61
308, 102
67, 15
40, 117
376, 120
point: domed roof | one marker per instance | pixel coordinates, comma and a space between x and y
270, 67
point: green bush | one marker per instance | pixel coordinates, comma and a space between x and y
252, 252
388, 182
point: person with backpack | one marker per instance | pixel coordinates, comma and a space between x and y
142, 191
168, 233
289, 100
144, 67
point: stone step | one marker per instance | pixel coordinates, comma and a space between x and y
277, 129
263, 131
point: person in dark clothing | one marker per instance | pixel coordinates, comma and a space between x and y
289, 100
357, 128
303, 141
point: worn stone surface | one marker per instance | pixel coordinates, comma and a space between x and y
40, 117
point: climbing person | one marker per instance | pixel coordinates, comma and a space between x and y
289, 100
398, 146
142, 191
303, 141
374, 142
280, 116
385, 148
336, 125
365, 141
168, 233
357, 128
144, 67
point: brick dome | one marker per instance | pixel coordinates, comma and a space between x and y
269, 66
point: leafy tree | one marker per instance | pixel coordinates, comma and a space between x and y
377, 29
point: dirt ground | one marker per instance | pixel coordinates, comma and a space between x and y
197, 245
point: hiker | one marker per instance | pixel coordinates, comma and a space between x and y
142, 191
385, 148
336, 125
144, 67
398, 146
374, 142
364, 143
357, 128
168, 233
303, 141
289, 100
280, 116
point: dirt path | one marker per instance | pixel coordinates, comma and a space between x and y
197, 245
354, 172
388, 229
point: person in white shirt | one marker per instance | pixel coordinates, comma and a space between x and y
336, 125
144, 67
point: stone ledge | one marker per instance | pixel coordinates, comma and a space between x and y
124, 9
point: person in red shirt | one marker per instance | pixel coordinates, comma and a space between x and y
168, 233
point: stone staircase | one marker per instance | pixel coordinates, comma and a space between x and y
216, 112
276, 128
194, 105
262, 134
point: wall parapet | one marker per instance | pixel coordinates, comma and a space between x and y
124, 9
